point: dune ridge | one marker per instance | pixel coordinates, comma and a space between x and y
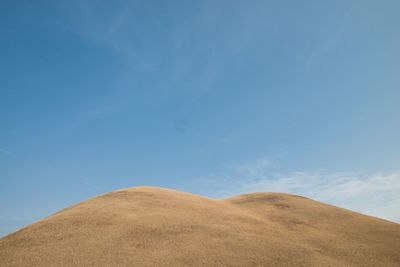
150, 226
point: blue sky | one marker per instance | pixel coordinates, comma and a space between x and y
212, 97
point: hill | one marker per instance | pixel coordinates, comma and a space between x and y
148, 226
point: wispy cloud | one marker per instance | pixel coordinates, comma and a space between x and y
6, 152
90, 185
374, 194
115, 24
333, 38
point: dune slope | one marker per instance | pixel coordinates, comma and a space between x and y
148, 226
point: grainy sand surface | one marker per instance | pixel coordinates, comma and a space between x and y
148, 226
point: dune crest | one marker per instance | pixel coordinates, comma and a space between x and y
149, 226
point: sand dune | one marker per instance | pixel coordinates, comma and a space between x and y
147, 226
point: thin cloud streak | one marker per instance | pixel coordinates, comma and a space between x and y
6, 152
333, 39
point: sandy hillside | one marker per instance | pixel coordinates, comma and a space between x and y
147, 226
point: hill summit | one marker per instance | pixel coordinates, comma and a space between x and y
149, 226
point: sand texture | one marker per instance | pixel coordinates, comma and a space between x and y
149, 226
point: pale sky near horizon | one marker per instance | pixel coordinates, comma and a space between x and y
211, 97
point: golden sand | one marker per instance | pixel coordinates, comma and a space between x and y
148, 226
